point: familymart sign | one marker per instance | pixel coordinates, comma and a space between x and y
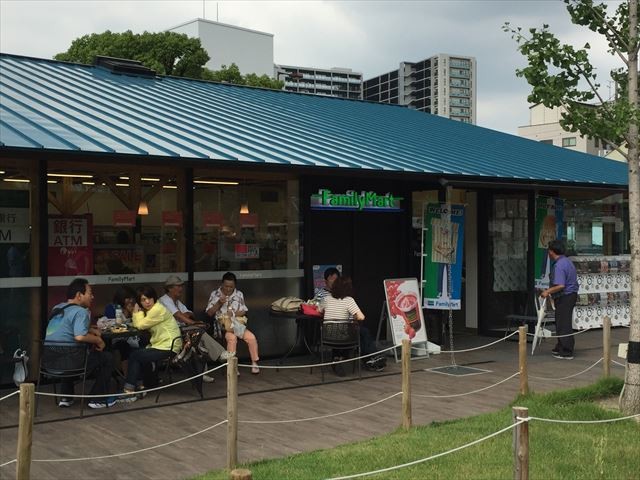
325, 199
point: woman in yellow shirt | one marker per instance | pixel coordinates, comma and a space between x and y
149, 314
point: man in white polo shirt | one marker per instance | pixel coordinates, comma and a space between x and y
173, 288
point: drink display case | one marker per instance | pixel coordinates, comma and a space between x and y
605, 285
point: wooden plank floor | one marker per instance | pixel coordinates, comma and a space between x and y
280, 395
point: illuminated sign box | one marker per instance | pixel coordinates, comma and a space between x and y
351, 200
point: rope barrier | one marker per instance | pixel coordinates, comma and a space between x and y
467, 393
335, 362
422, 460
10, 395
211, 427
122, 394
579, 332
476, 348
322, 416
570, 376
619, 364
555, 420
8, 463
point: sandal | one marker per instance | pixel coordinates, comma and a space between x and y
255, 369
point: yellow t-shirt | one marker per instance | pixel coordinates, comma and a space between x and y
162, 325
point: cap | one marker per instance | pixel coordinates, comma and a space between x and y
173, 280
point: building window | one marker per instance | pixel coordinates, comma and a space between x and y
569, 142
550, 142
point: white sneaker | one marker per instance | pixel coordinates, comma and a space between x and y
208, 379
65, 402
224, 356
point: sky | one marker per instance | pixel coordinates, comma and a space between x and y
371, 37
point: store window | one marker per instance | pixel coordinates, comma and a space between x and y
19, 263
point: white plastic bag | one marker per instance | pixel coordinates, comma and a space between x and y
20, 371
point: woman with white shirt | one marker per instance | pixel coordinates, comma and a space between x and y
227, 304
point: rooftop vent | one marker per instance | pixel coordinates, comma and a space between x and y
123, 66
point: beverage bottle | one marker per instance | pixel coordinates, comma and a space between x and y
119, 316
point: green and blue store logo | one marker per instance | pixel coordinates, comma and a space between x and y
325, 199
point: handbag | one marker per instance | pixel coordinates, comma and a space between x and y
310, 310
287, 304
20, 372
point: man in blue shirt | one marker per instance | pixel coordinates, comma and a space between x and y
564, 291
69, 323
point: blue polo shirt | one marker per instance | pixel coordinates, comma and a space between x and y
564, 273
71, 322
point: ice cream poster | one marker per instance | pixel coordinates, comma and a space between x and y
549, 218
70, 245
405, 310
442, 255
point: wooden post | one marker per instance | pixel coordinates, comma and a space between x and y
520, 444
25, 431
241, 474
406, 384
522, 356
232, 412
606, 344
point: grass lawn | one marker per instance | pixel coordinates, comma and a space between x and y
557, 451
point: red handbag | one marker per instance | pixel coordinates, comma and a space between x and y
310, 310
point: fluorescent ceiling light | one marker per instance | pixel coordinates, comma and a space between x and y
2, 172
19, 180
146, 179
69, 175
88, 183
52, 181
122, 184
169, 186
215, 182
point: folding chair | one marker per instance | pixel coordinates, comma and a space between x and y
192, 366
64, 361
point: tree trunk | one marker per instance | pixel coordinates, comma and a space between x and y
630, 401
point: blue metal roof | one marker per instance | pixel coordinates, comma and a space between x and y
45, 104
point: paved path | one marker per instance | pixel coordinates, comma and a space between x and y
280, 395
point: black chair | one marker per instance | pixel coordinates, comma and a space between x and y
192, 365
63, 361
340, 335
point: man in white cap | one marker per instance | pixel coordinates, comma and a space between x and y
173, 288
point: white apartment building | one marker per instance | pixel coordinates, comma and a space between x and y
250, 50
334, 82
443, 84
544, 126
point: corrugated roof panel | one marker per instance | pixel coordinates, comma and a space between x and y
54, 105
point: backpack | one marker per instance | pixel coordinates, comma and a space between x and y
287, 304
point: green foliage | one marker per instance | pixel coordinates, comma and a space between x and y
231, 74
556, 451
168, 53
562, 75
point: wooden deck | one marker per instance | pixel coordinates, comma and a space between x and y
280, 395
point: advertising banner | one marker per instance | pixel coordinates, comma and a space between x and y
14, 225
212, 219
405, 310
247, 250
549, 218
115, 260
124, 218
442, 256
172, 218
70, 245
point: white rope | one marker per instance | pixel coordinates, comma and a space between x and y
134, 451
422, 460
570, 376
8, 463
10, 395
562, 336
481, 346
618, 363
335, 362
322, 416
467, 393
122, 394
554, 420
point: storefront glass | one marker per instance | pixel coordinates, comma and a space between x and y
19, 267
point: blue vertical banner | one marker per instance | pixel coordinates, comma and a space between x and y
442, 256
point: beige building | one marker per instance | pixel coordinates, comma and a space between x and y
544, 126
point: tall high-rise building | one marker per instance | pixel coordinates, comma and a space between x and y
444, 85
334, 82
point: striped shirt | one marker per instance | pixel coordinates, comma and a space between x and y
338, 308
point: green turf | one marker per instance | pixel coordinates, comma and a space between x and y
557, 451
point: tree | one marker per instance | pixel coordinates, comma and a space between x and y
168, 53
231, 74
561, 75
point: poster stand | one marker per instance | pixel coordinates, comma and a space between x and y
427, 347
